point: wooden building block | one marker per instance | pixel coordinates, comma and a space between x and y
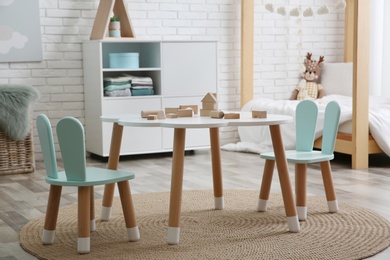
205, 112
159, 113
210, 105
171, 115
171, 110
193, 107
259, 114
184, 112
152, 117
232, 116
216, 114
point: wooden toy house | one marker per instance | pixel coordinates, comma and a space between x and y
209, 103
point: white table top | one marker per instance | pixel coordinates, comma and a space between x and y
197, 121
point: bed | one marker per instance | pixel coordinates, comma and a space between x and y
357, 142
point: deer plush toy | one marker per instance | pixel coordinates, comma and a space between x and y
309, 88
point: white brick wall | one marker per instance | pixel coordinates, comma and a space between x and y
279, 47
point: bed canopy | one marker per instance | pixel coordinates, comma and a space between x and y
356, 50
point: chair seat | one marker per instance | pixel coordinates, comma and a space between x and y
301, 156
94, 176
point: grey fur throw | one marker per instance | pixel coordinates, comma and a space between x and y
15, 104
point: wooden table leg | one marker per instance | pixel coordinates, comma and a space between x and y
113, 161
281, 163
217, 168
265, 187
176, 186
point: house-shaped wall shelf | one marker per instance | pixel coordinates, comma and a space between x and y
102, 19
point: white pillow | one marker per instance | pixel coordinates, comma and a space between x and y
337, 78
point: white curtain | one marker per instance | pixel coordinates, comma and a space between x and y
380, 48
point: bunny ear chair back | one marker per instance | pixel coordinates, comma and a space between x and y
70, 134
306, 120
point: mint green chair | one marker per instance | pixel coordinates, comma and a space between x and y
306, 121
71, 140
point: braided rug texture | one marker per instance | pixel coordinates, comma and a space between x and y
236, 232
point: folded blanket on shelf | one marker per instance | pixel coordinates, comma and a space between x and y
111, 87
117, 79
142, 87
139, 80
118, 93
142, 92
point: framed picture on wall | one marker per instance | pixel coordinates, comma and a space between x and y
20, 31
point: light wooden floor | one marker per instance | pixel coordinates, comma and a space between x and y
24, 197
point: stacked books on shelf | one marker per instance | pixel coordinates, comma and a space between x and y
128, 85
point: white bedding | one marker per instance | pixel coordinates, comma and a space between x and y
257, 139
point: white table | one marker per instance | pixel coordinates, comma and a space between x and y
180, 125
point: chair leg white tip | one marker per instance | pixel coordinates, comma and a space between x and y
133, 234
105, 214
333, 206
92, 225
262, 205
302, 212
219, 203
293, 224
173, 235
48, 236
83, 245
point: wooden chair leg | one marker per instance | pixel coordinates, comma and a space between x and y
53, 205
128, 210
300, 190
329, 188
92, 209
266, 185
83, 240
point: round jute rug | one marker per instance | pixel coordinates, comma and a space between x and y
237, 232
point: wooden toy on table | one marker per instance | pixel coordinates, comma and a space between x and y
232, 116
209, 103
171, 115
259, 114
159, 113
217, 114
185, 112
193, 107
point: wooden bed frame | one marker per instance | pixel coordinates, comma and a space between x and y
356, 50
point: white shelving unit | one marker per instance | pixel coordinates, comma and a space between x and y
182, 73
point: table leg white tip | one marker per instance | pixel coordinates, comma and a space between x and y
262, 205
293, 224
105, 214
302, 212
173, 235
92, 225
83, 245
48, 236
219, 202
133, 234
333, 206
